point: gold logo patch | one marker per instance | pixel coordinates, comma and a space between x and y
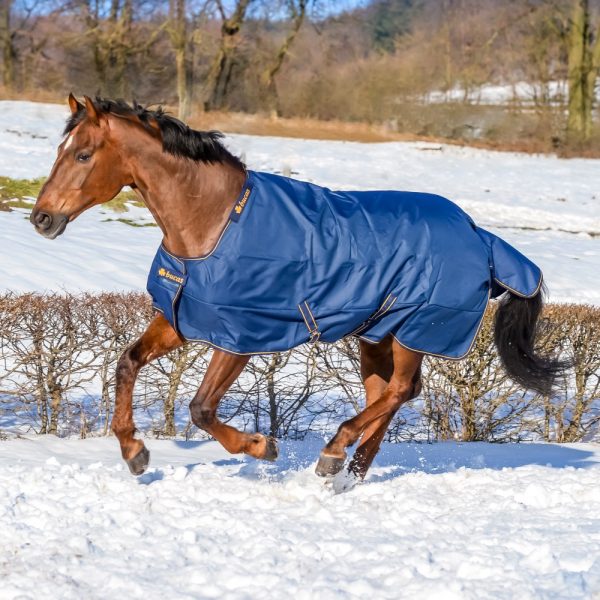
239, 207
168, 275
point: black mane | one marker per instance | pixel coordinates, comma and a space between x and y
177, 138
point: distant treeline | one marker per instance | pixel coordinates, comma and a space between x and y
305, 58
58, 356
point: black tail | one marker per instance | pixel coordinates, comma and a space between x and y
515, 334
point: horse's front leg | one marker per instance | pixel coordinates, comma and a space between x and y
158, 339
222, 371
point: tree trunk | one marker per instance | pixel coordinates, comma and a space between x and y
180, 361
448, 71
298, 13
55, 402
573, 432
547, 418
92, 23
41, 393
8, 69
582, 73
119, 49
469, 433
179, 35
272, 393
220, 74
184, 95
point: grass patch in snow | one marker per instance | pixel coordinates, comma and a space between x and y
120, 203
18, 193
132, 222
21, 193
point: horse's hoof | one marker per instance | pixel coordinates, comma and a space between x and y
271, 449
329, 465
357, 469
139, 463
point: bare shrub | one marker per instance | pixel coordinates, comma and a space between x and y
58, 355
473, 399
574, 412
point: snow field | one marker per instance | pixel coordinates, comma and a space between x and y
435, 521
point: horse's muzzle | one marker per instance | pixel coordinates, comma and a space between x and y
48, 225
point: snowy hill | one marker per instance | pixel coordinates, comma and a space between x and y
548, 207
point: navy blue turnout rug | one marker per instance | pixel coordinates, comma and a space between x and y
299, 262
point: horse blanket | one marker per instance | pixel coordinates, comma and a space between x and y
299, 262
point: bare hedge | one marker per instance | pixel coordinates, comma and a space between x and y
58, 354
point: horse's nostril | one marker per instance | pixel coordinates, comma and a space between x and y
43, 220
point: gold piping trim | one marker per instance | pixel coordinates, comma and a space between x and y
382, 307
535, 293
214, 249
217, 347
245, 187
176, 297
388, 308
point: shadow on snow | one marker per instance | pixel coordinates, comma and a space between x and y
394, 460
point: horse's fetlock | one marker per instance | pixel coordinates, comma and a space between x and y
344, 432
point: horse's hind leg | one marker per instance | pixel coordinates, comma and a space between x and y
377, 368
222, 371
372, 422
374, 433
158, 339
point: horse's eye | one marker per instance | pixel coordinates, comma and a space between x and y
83, 157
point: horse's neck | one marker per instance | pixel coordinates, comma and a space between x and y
190, 201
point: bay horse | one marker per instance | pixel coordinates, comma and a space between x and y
255, 262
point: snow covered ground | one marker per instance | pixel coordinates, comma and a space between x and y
443, 521
500, 94
523, 92
548, 207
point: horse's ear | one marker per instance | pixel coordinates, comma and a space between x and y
92, 113
74, 104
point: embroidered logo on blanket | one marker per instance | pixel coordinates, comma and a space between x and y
240, 205
168, 275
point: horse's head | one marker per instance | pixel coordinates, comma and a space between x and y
88, 170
